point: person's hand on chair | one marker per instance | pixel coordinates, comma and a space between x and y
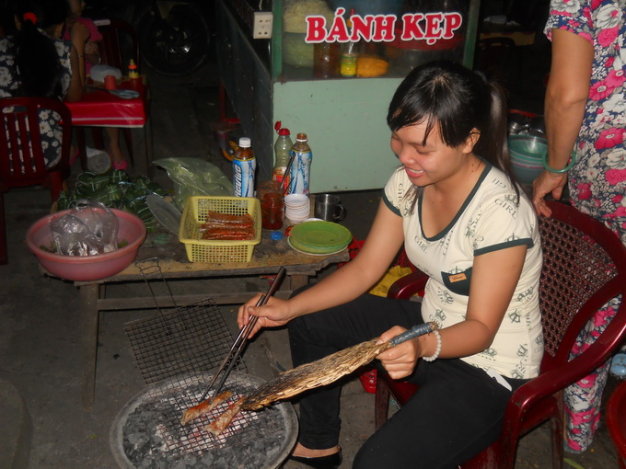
547, 184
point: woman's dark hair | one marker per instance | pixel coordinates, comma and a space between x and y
458, 100
36, 58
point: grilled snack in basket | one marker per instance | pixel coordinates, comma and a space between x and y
224, 226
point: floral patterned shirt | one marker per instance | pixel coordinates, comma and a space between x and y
490, 219
598, 181
48, 120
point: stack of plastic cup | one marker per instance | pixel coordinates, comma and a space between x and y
297, 208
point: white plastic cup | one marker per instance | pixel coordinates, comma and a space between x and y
297, 207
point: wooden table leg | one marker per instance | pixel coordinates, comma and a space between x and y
82, 146
89, 340
298, 281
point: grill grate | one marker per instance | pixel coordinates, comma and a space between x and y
148, 433
186, 339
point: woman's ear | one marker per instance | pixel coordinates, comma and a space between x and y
471, 141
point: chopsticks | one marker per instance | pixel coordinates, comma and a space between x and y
242, 339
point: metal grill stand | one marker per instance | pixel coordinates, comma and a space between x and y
147, 431
174, 351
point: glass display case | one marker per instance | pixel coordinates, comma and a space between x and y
330, 69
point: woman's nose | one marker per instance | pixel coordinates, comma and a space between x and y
404, 155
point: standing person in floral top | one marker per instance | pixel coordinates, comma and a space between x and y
585, 113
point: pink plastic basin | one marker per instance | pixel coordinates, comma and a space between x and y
87, 268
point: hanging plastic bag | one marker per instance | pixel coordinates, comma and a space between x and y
193, 177
87, 230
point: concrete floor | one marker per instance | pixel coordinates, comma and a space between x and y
40, 353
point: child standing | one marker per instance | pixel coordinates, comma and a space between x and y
89, 55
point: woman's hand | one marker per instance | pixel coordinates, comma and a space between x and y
547, 183
399, 361
274, 313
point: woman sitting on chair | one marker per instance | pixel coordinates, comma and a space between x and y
465, 223
36, 63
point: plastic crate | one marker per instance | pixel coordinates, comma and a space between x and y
218, 251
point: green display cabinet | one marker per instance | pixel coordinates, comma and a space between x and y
345, 118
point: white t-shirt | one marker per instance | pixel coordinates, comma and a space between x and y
490, 219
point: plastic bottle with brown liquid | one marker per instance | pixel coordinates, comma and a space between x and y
299, 173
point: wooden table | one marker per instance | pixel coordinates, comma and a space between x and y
268, 257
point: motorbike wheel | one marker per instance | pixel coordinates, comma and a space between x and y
177, 44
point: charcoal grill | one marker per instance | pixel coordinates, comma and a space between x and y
147, 431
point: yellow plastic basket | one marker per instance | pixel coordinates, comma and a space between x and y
213, 251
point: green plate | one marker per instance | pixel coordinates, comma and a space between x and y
309, 253
320, 237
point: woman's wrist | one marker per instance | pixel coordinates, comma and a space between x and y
562, 165
436, 349
559, 169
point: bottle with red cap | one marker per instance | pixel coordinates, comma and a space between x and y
282, 147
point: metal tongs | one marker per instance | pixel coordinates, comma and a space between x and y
242, 339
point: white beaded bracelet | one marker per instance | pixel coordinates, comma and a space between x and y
435, 355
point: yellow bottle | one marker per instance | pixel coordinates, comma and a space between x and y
133, 73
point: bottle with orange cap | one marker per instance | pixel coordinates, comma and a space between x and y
133, 74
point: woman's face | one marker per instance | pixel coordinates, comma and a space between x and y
431, 161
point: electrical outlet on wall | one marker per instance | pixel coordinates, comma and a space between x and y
262, 25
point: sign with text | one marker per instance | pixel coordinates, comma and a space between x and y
429, 27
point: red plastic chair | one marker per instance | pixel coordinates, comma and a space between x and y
616, 421
584, 267
115, 33
21, 156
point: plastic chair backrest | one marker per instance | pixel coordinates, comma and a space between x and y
584, 266
119, 43
21, 155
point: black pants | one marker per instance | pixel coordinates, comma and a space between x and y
455, 414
